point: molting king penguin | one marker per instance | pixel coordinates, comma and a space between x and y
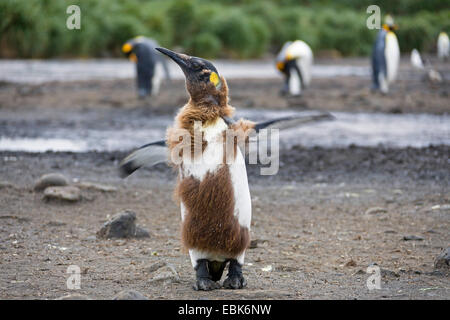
385, 56
148, 61
212, 186
294, 61
214, 196
443, 46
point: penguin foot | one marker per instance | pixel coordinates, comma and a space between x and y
204, 279
235, 282
205, 284
235, 279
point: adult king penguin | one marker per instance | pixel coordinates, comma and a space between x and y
149, 63
443, 46
385, 57
294, 61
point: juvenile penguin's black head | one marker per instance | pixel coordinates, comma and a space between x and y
202, 78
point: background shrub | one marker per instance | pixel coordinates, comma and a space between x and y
212, 28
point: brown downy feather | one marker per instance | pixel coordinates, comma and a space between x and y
210, 224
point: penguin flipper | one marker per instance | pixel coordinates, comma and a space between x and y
292, 121
149, 154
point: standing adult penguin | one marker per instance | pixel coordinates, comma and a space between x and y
385, 56
212, 186
148, 61
295, 61
443, 46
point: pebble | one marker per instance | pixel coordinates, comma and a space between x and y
442, 261
267, 268
50, 180
442, 207
256, 242
130, 295
165, 274
375, 210
122, 225
69, 193
412, 238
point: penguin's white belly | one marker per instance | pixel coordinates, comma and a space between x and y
156, 80
443, 46
212, 160
295, 85
392, 55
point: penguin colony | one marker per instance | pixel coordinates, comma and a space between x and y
149, 64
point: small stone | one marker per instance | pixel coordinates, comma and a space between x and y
130, 295
6, 184
267, 268
255, 243
156, 266
69, 193
443, 260
74, 296
442, 207
55, 224
122, 225
375, 210
166, 274
50, 180
412, 238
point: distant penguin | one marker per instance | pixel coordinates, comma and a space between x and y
443, 46
416, 60
385, 57
295, 62
149, 64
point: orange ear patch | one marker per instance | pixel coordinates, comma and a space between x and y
127, 48
214, 78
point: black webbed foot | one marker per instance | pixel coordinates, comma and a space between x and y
205, 284
204, 279
235, 279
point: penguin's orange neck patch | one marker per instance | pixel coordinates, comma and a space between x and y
133, 57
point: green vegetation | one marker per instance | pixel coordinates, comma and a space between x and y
213, 28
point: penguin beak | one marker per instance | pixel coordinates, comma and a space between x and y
180, 59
